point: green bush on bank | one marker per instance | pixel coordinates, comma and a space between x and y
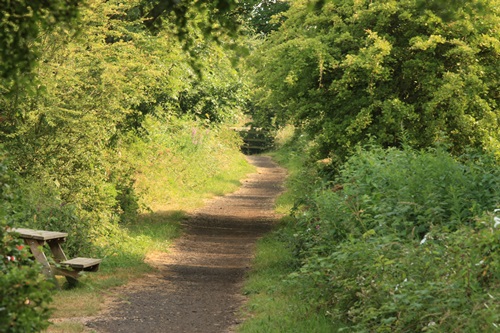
402, 241
402, 191
449, 283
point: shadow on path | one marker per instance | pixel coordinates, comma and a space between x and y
197, 286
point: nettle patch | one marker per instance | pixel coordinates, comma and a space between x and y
404, 242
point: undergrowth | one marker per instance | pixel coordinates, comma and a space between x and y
398, 240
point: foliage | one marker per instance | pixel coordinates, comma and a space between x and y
95, 88
403, 241
402, 191
24, 294
398, 72
263, 16
388, 284
39, 206
217, 14
21, 23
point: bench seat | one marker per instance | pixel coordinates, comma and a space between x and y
82, 264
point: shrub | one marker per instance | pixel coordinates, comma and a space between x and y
24, 294
402, 241
449, 283
38, 206
402, 191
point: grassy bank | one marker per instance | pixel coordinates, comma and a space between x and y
177, 170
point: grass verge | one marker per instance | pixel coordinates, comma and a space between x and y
274, 303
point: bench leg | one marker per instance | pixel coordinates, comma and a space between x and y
36, 250
72, 283
71, 276
56, 249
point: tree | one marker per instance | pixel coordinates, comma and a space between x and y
93, 89
396, 72
21, 22
264, 16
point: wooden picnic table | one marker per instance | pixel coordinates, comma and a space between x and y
36, 239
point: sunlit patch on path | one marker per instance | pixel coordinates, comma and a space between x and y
197, 286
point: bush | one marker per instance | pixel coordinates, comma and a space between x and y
38, 206
402, 241
24, 294
449, 283
401, 191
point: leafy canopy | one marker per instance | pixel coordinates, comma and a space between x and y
397, 71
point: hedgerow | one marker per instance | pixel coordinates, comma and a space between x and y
403, 241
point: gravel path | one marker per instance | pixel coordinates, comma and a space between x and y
197, 286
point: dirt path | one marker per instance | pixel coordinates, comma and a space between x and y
197, 287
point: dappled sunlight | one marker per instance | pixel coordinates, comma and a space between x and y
201, 274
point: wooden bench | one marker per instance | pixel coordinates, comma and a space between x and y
71, 269
82, 264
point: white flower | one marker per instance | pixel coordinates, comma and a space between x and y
397, 286
497, 221
424, 239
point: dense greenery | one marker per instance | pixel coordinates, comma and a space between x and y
109, 110
94, 89
402, 242
397, 101
399, 241
395, 105
396, 72
21, 22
